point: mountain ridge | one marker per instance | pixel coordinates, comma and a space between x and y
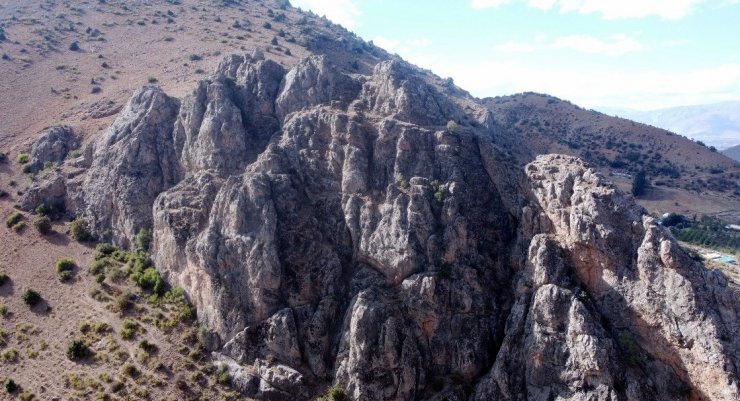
372, 228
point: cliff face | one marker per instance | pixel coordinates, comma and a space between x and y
376, 232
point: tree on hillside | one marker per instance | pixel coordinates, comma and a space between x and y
639, 184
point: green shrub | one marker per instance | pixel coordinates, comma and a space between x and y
65, 276
103, 250
452, 126
334, 393
4, 278
65, 264
31, 298
639, 184
129, 369
13, 219
74, 46
23, 158
222, 376
10, 355
148, 347
19, 226
77, 350
42, 224
143, 240
10, 386
123, 302
79, 231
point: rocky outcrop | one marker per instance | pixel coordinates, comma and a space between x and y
52, 147
334, 228
132, 163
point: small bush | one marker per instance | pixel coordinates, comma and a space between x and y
65, 276
123, 302
23, 158
4, 278
65, 264
143, 240
74, 46
222, 376
148, 347
130, 370
13, 219
42, 225
19, 226
103, 250
10, 355
196, 57
77, 350
31, 298
79, 231
452, 126
10, 386
334, 393
267, 25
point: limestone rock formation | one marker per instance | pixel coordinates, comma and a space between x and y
334, 227
53, 146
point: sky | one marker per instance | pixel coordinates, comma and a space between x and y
634, 54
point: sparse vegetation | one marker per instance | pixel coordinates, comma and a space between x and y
74, 46
3, 278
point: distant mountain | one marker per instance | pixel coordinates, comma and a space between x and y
733, 152
715, 124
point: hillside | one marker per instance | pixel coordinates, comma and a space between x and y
258, 204
715, 124
686, 177
733, 152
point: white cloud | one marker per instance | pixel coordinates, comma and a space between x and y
618, 45
614, 46
588, 87
401, 46
612, 9
515, 47
343, 12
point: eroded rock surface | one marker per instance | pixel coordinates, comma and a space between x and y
333, 227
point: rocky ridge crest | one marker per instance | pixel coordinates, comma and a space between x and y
373, 231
